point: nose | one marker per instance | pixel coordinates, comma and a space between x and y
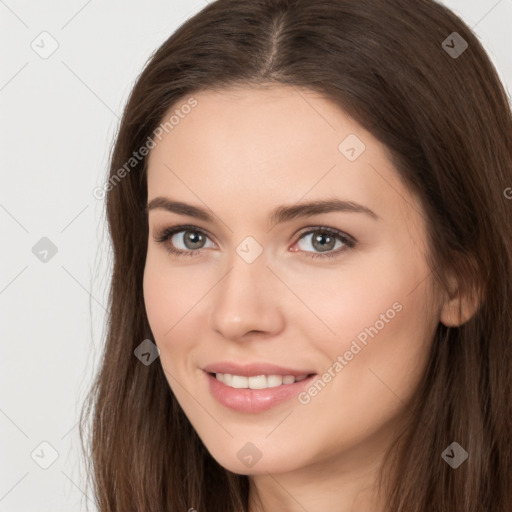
247, 301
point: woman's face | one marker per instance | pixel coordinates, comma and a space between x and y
263, 283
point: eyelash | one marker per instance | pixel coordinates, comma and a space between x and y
349, 242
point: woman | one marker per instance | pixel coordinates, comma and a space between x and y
309, 205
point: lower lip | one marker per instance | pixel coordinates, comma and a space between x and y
254, 400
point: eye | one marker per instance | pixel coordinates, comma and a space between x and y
191, 238
325, 240
188, 240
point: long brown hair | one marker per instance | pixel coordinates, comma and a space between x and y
440, 110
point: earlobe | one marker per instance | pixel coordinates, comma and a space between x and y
459, 307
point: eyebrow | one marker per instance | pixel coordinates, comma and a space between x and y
278, 215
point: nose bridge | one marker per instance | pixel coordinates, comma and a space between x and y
245, 299
248, 272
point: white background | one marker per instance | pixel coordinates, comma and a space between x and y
58, 119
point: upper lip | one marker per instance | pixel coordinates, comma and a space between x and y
253, 369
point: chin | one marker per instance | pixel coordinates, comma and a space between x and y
248, 461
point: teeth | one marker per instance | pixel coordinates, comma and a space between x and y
258, 381
276, 380
239, 381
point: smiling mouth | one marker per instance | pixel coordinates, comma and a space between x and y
258, 381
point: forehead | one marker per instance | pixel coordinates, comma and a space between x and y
261, 126
266, 146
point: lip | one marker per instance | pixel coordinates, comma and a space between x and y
253, 369
248, 400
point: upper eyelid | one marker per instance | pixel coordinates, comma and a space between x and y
171, 231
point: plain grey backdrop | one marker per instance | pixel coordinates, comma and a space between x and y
66, 71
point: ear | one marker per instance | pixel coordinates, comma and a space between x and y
460, 302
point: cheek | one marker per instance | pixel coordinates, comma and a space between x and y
385, 332
381, 327
338, 303
170, 295
175, 298
380, 368
167, 301
159, 298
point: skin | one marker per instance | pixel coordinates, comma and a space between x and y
241, 153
